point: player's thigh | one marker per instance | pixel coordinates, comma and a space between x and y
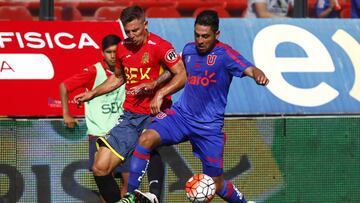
122, 139
171, 129
92, 151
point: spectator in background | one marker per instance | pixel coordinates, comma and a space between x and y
102, 113
355, 8
269, 8
328, 9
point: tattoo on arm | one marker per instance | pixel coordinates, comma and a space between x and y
163, 78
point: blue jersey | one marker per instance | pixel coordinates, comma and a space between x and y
322, 5
208, 80
355, 8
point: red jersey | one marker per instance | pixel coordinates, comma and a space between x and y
143, 65
85, 79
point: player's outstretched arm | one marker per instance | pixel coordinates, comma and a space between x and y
175, 84
113, 82
259, 76
69, 121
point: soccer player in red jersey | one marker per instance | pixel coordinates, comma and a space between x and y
142, 57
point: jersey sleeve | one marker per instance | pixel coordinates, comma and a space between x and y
235, 63
85, 79
167, 54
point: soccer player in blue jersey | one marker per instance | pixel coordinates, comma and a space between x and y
198, 116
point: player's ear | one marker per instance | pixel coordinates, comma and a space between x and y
217, 34
146, 23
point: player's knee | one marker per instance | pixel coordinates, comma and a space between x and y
149, 139
145, 140
99, 170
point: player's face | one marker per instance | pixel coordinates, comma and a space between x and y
205, 38
136, 31
110, 56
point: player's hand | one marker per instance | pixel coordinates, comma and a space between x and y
70, 121
334, 4
259, 77
83, 97
143, 87
155, 104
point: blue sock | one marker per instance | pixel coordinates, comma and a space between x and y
230, 193
139, 164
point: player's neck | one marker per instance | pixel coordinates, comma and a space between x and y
146, 37
109, 67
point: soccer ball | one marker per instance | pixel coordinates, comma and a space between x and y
200, 188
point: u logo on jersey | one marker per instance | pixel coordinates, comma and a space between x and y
211, 59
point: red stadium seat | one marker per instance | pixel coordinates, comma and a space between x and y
162, 12
312, 8
67, 13
15, 13
108, 13
153, 3
13, 3
346, 9
236, 4
345, 12
236, 7
194, 4
95, 4
222, 13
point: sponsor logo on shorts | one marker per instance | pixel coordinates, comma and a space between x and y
107, 136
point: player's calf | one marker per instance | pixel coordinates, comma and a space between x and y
139, 164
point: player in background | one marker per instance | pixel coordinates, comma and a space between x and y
328, 9
141, 57
198, 116
102, 113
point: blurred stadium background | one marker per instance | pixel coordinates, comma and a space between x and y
280, 148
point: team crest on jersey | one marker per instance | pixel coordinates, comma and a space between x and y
211, 59
145, 58
171, 55
161, 115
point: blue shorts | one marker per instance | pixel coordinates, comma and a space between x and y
125, 167
122, 139
207, 141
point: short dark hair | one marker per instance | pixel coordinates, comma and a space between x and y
109, 40
208, 18
132, 13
